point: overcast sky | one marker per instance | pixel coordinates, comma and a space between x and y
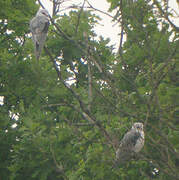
106, 27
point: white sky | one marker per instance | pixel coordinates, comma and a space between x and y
106, 27
1, 100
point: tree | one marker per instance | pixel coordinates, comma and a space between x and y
72, 107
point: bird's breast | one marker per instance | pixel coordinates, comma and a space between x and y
139, 143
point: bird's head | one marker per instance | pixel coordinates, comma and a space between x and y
43, 12
138, 126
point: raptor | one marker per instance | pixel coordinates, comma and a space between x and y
132, 143
39, 28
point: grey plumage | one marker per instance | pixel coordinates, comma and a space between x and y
132, 143
39, 28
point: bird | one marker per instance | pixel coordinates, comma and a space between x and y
132, 143
39, 28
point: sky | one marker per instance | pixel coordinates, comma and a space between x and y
106, 28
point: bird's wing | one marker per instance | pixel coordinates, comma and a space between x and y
129, 140
127, 146
38, 22
39, 28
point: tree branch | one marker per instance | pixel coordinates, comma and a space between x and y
165, 15
79, 15
90, 98
85, 113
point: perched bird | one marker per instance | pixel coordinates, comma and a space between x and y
39, 28
132, 143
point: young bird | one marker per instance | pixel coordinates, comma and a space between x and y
39, 28
132, 143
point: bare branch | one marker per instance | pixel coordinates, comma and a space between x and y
59, 167
122, 32
83, 124
95, 9
85, 113
41, 4
165, 15
121, 41
79, 15
90, 98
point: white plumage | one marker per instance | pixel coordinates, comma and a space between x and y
132, 142
39, 28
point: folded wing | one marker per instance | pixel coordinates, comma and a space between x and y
39, 28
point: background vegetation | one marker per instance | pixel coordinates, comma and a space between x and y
72, 107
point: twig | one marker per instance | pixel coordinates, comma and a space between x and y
90, 6
79, 15
121, 41
83, 124
122, 30
85, 113
41, 4
89, 72
165, 15
59, 167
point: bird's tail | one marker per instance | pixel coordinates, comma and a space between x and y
40, 41
122, 156
37, 51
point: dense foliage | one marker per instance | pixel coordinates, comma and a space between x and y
72, 107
